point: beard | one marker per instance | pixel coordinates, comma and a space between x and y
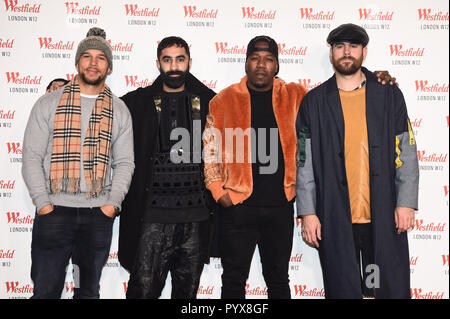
174, 82
94, 82
347, 68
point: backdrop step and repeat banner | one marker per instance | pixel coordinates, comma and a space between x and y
38, 41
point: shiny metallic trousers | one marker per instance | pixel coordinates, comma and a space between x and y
162, 248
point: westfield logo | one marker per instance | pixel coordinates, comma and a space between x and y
424, 86
445, 191
418, 293
283, 50
211, 84
6, 44
10, 184
420, 226
416, 123
250, 13
257, 291
14, 218
445, 260
16, 288
113, 255
75, 9
49, 44
432, 158
121, 47
132, 80
368, 14
428, 15
222, 47
135, 11
14, 148
70, 286
193, 12
7, 254
310, 14
296, 259
303, 291
14, 77
398, 50
308, 84
205, 290
7, 115
13, 6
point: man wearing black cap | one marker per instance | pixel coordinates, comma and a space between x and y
357, 181
254, 180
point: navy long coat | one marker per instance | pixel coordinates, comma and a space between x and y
386, 115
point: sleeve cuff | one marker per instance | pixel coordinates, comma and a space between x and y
42, 201
216, 190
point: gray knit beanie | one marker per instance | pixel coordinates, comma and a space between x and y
95, 39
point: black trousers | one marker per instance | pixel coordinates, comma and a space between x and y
167, 247
364, 250
241, 229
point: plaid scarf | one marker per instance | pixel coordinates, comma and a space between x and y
66, 155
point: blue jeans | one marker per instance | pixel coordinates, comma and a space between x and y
83, 234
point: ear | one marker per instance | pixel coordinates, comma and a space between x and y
365, 50
158, 65
190, 63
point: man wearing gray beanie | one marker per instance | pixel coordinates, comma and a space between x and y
77, 164
95, 39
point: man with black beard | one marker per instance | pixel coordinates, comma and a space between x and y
165, 222
357, 181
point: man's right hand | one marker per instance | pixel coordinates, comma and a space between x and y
45, 210
311, 230
225, 201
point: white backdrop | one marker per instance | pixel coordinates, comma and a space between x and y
38, 41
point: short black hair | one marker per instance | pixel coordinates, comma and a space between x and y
171, 41
65, 81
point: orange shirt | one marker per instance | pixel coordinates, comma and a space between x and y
357, 153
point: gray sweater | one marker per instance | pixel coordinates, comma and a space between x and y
37, 151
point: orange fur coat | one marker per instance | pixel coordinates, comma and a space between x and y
225, 171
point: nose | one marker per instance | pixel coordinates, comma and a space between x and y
261, 63
173, 65
347, 49
93, 61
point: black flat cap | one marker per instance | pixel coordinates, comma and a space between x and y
348, 32
273, 46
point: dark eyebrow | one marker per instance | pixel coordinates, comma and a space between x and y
169, 57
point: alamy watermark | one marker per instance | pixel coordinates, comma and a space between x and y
237, 146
